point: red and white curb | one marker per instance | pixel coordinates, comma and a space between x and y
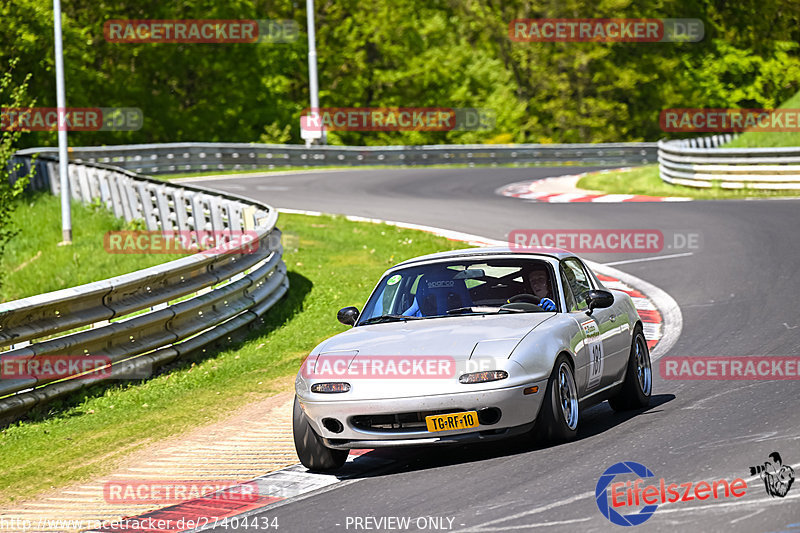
651, 319
228, 508
662, 323
547, 190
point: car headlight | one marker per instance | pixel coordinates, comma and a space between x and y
332, 387
483, 377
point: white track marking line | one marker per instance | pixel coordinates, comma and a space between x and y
566, 197
612, 198
532, 195
651, 330
616, 285
300, 212
643, 304
535, 510
643, 259
531, 526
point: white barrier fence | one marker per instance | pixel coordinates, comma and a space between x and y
702, 163
145, 319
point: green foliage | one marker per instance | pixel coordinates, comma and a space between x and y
756, 139
433, 53
11, 95
275, 134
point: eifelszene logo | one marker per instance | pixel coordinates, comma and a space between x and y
778, 477
612, 497
601, 494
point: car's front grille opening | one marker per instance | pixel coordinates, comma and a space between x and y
397, 422
489, 415
332, 425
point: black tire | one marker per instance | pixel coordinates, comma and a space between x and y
638, 384
313, 454
560, 411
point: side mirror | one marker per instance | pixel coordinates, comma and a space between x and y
347, 316
597, 299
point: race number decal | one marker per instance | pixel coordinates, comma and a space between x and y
594, 348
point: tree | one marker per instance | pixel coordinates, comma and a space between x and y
11, 95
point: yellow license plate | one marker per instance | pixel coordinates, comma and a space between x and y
451, 421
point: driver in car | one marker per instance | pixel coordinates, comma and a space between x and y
540, 287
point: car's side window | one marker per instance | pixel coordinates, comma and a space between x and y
577, 280
568, 297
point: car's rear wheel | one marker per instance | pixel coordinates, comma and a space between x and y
560, 411
638, 384
313, 454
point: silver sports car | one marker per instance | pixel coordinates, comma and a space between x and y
466, 345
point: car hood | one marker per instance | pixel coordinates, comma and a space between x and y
450, 336
449, 339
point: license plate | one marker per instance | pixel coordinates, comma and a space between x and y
451, 421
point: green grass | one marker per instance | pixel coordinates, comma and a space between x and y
753, 139
34, 263
332, 263
646, 180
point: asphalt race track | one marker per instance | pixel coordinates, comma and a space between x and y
738, 293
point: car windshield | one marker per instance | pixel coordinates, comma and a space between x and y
459, 287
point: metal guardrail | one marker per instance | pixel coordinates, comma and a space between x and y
702, 163
153, 316
191, 157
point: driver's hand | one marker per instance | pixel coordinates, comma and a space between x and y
547, 304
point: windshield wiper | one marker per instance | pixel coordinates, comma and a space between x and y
389, 318
483, 309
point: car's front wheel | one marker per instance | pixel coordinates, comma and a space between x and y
559, 414
638, 384
313, 454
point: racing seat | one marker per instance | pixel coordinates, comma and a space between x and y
438, 292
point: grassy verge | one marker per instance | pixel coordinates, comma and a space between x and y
773, 139
646, 180
34, 263
332, 263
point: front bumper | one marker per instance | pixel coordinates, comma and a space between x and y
518, 413
474, 436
